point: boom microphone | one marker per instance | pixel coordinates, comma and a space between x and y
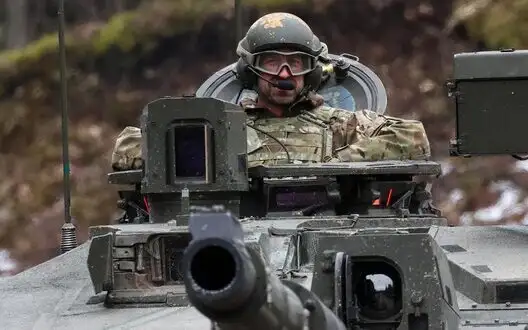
284, 84
281, 84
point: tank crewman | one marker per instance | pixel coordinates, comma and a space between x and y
287, 120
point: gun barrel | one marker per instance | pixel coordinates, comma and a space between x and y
230, 284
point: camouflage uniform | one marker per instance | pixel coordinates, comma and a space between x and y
311, 131
321, 134
327, 134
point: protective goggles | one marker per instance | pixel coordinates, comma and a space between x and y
272, 62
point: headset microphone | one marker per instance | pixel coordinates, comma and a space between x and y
281, 84
284, 84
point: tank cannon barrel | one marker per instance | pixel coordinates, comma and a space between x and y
231, 285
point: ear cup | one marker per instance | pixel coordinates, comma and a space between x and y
245, 75
313, 79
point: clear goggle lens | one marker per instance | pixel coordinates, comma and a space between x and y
272, 62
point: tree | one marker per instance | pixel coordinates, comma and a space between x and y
17, 23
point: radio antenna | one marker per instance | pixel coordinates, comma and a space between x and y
69, 237
238, 22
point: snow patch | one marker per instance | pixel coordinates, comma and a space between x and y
466, 219
522, 165
506, 204
7, 265
524, 204
456, 195
447, 167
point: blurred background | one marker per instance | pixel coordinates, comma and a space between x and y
123, 53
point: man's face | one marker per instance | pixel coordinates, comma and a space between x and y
275, 62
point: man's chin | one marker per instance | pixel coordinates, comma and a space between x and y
283, 100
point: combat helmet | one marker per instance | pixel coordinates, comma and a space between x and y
273, 32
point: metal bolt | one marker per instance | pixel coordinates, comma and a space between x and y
508, 304
416, 298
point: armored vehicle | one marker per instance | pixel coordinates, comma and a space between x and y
208, 242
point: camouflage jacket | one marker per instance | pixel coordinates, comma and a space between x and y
321, 134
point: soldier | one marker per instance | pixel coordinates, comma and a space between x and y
278, 58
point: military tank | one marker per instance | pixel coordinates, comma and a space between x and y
213, 243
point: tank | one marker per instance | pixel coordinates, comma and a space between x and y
215, 244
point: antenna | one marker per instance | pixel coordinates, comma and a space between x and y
69, 238
238, 22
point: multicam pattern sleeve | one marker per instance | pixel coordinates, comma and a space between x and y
368, 136
356, 136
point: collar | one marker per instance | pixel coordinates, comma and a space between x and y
307, 102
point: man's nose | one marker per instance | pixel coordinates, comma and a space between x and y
285, 73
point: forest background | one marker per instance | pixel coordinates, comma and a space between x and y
124, 53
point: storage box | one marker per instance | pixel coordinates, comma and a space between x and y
490, 90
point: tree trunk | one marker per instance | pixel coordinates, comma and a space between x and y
17, 23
